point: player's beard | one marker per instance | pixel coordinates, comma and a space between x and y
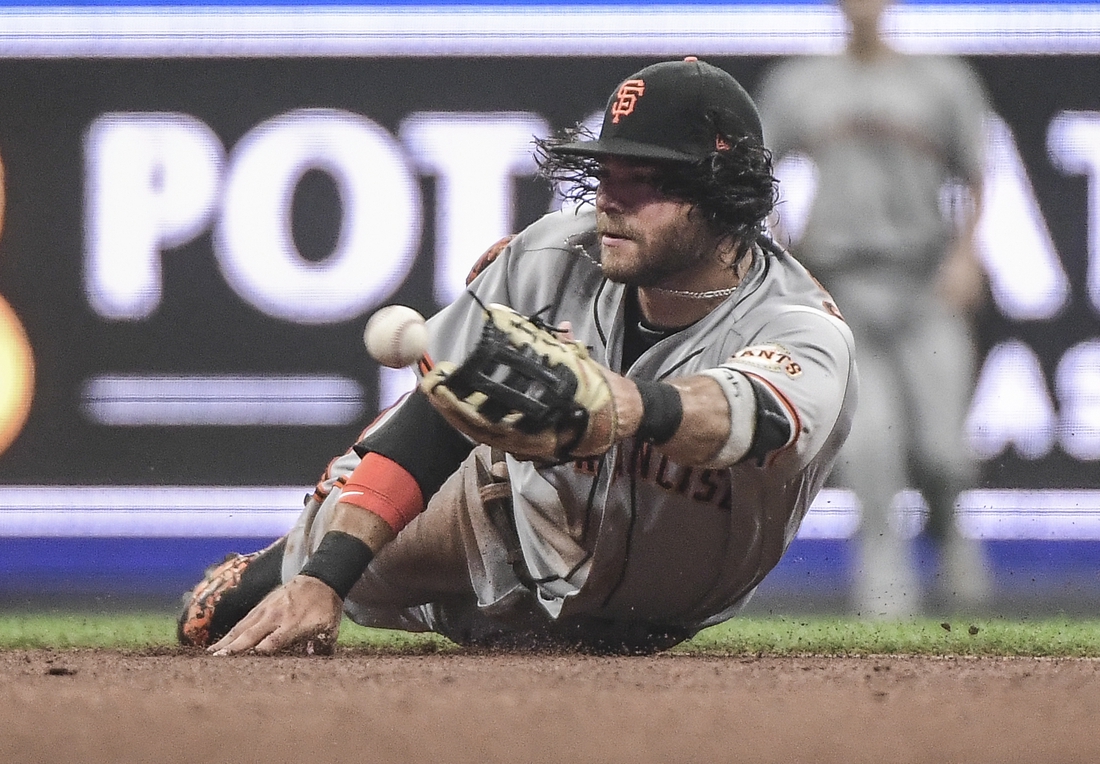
650, 259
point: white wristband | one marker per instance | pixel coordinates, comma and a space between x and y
742, 402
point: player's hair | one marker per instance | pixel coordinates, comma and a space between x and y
733, 188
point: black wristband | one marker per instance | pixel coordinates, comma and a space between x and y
662, 411
339, 561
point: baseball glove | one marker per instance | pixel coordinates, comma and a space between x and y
526, 391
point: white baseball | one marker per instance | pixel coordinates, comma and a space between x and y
396, 336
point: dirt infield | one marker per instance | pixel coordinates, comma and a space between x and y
88, 706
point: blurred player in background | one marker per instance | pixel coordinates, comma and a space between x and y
886, 134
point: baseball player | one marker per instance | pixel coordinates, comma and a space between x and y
619, 426
886, 132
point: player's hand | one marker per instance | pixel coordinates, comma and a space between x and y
302, 613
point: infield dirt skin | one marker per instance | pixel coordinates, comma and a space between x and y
93, 706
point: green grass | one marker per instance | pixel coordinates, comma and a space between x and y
143, 631
1051, 637
842, 636
125, 631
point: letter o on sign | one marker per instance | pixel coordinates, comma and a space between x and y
379, 237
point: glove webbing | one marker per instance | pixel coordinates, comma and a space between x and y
517, 380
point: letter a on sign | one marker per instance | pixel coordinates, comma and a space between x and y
627, 97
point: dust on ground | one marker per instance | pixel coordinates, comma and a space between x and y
179, 706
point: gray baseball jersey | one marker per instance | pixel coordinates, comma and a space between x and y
884, 137
633, 535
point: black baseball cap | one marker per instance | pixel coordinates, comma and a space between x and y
671, 111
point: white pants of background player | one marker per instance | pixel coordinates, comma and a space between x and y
916, 364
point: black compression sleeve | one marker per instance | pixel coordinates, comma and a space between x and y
773, 429
419, 439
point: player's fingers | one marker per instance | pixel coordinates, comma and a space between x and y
242, 643
273, 642
225, 641
231, 635
241, 638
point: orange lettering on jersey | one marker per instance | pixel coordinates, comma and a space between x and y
488, 257
707, 487
828, 304
641, 461
769, 358
726, 502
626, 99
663, 479
685, 480
588, 466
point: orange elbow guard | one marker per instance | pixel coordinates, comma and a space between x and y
382, 486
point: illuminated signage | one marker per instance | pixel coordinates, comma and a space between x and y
584, 29
182, 300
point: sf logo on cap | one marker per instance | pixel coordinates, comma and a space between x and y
626, 99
